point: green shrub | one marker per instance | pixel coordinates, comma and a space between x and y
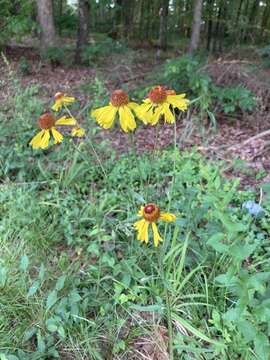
265, 55
185, 74
102, 49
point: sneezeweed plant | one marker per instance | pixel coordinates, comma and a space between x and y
150, 214
119, 105
61, 99
47, 123
161, 103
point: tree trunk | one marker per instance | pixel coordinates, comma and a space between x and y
209, 24
45, 19
163, 13
83, 28
197, 19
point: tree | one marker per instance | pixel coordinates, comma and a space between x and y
83, 28
163, 13
197, 19
45, 19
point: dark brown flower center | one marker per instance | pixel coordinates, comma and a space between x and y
59, 96
151, 212
158, 95
119, 97
46, 121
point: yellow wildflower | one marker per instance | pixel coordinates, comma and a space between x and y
78, 131
47, 123
160, 103
151, 214
61, 99
119, 104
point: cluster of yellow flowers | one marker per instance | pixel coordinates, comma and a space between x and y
47, 123
160, 104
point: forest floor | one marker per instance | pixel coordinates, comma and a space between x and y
240, 142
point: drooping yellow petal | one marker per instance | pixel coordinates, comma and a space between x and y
157, 114
142, 228
37, 139
45, 139
157, 237
78, 131
57, 105
145, 112
126, 118
56, 135
168, 115
132, 105
68, 99
64, 120
105, 116
178, 101
167, 217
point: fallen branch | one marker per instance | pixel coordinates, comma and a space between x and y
255, 137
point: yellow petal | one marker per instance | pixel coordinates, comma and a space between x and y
78, 131
140, 213
157, 114
126, 119
145, 112
68, 99
142, 228
132, 105
64, 120
157, 237
178, 101
105, 116
56, 135
37, 140
167, 217
168, 115
57, 105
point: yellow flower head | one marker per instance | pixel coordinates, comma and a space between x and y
160, 103
119, 104
78, 131
151, 214
47, 123
61, 99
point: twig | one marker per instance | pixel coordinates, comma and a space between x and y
258, 136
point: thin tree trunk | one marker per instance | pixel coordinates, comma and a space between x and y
45, 19
83, 28
197, 19
209, 25
163, 13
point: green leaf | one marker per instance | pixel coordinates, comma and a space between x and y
3, 276
60, 283
215, 243
29, 334
51, 300
34, 288
24, 263
148, 308
194, 331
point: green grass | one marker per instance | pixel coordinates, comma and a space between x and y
76, 284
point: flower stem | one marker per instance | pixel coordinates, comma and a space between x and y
168, 303
133, 145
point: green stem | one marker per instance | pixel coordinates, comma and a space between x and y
133, 145
168, 304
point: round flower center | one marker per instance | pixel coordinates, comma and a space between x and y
46, 121
59, 96
158, 95
119, 97
151, 212
170, 92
